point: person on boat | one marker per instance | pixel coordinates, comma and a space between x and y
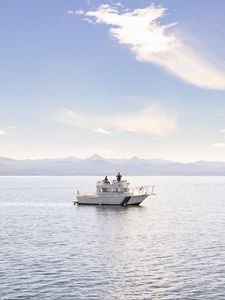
106, 180
118, 177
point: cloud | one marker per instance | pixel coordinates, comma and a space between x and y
72, 118
100, 130
218, 145
70, 12
2, 132
155, 43
76, 13
12, 127
151, 120
155, 139
222, 130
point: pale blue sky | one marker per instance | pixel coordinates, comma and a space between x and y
75, 82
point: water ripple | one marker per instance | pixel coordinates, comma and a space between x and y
172, 247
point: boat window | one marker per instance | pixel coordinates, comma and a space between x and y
104, 190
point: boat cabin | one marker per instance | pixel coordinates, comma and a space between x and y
113, 187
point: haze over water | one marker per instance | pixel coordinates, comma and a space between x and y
171, 247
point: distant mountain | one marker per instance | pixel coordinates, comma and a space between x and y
96, 157
98, 165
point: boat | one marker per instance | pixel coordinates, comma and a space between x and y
116, 192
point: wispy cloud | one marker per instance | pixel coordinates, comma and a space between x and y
151, 120
76, 12
100, 130
2, 132
70, 12
218, 145
155, 43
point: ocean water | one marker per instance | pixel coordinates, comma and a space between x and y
170, 247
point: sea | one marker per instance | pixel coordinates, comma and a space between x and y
172, 246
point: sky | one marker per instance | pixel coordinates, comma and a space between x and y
116, 78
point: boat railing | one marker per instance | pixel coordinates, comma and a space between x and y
142, 190
136, 191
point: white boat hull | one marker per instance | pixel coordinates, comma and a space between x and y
110, 200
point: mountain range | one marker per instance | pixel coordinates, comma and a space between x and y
98, 165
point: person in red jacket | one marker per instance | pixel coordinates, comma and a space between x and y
106, 180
